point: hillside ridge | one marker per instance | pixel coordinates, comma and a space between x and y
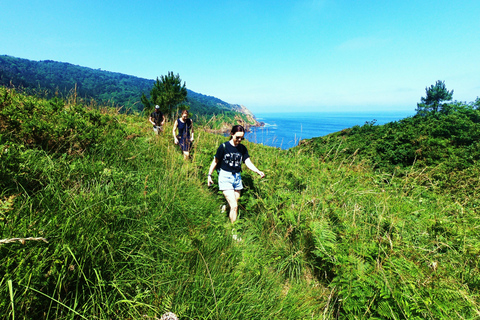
103, 86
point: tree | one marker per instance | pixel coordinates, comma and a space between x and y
476, 104
167, 92
435, 95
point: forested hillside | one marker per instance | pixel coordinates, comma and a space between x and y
50, 78
100, 219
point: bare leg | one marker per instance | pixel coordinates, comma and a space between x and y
186, 155
232, 197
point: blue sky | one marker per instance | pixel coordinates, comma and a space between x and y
315, 55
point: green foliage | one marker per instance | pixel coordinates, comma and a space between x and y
51, 125
133, 231
431, 103
445, 146
208, 106
222, 122
167, 92
52, 79
476, 103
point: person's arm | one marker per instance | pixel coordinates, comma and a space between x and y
210, 170
252, 167
151, 121
174, 132
163, 120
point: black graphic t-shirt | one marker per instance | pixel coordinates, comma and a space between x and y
157, 117
231, 157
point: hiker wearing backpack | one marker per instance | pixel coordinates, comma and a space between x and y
229, 158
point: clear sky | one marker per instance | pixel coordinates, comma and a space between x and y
315, 55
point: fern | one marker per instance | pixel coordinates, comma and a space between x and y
324, 239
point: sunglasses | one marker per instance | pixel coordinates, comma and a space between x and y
239, 138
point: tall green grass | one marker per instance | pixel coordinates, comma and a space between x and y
133, 231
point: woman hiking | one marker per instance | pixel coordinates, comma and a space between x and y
185, 133
230, 156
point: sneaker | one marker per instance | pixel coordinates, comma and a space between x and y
235, 236
169, 316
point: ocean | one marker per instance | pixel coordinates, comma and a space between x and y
285, 130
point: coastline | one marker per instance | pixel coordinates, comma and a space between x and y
226, 127
286, 130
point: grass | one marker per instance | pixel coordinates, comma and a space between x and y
133, 232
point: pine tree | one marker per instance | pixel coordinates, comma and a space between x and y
435, 95
167, 92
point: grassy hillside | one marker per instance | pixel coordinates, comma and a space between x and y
51, 78
132, 231
444, 147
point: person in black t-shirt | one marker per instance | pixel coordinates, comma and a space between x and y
157, 119
185, 133
230, 156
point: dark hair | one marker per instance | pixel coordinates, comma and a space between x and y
235, 129
185, 111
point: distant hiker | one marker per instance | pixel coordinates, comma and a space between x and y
185, 133
230, 156
157, 119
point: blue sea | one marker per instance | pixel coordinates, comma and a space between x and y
285, 130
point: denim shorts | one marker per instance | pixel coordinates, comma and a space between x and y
229, 181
